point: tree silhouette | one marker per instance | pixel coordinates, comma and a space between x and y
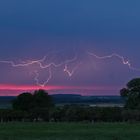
38, 100
23, 102
41, 99
132, 94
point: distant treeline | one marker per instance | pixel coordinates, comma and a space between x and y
78, 99
71, 113
63, 99
40, 106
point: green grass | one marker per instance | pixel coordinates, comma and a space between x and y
69, 131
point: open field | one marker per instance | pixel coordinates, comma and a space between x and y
69, 131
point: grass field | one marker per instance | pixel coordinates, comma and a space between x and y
69, 131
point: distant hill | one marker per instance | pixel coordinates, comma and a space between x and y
6, 101
62, 99
71, 98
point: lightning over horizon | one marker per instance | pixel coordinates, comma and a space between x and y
65, 65
46, 66
69, 43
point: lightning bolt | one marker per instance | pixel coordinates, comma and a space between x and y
123, 60
25, 64
65, 64
44, 83
46, 66
70, 73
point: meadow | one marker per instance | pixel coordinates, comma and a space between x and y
69, 131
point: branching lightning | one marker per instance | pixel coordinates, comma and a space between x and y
45, 66
70, 73
123, 60
25, 64
65, 64
44, 83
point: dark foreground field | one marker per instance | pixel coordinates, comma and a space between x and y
69, 131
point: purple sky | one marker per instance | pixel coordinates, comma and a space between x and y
63, 33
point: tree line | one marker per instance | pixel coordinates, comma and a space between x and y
71, 113
39, 106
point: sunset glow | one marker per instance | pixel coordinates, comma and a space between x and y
84, 47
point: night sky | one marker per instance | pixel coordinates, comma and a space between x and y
63, 32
